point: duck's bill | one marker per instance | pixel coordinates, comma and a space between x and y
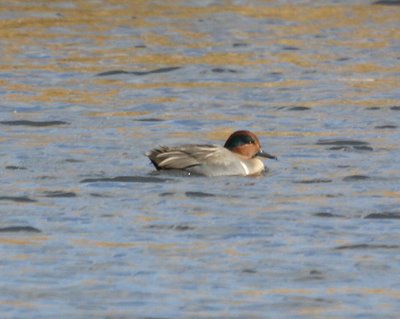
261, 153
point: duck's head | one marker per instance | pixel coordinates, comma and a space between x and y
247, 144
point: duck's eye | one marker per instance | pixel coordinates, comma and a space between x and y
239, 140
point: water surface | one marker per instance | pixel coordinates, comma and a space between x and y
88, 229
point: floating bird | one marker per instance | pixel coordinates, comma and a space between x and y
241, 155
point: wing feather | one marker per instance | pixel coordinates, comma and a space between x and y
184, 156
209, 160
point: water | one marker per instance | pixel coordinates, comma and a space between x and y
87, 229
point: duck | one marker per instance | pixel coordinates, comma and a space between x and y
241, 156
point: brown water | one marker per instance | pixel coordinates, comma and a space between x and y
88, 230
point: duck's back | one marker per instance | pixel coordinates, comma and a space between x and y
207, 160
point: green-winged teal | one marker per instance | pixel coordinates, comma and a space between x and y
241, 155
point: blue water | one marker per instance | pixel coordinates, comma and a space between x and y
89, 229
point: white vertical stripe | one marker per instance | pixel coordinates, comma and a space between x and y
245, 168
